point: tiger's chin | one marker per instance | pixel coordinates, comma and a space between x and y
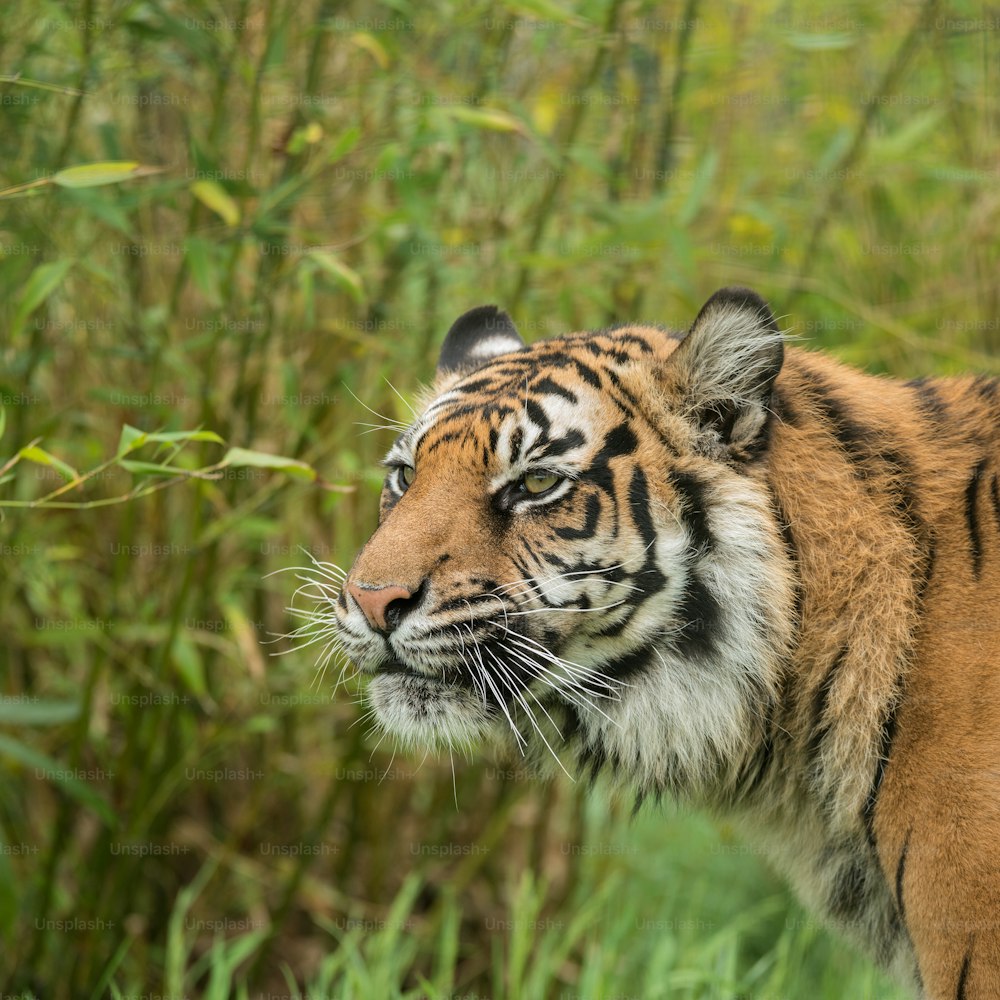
424, 711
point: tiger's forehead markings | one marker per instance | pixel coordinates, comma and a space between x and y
513, 425
527, 404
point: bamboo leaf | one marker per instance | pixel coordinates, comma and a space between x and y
32, 453
370, 44
214, 196
491, 119
241, 457
149, 468
130, 439
188, 664
346, 277
14, 712
172, 437
44, 280
95, 174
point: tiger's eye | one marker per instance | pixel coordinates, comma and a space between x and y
406, 474
539, 482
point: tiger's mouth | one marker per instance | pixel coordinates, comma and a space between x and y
447, 674
426, 677
433, 676
394, 665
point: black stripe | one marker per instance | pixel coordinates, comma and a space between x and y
459, 416
627, 409
537, 415
900, 869
614, 628
446, 438
632, 338
592, 516
588, 374
986, 387
475, 409
594, 758
615, 379
559, 446
864, 446
620, 440
516, 444
699, 613
927, 570
469, 603
972, 518
476, 385
852, 437
631, 663
653, 579
886, 738
548, 385
550, 557
613, 573
512, 370
649, 579
550, 639
571, 721
638, 502
995, 497
929, 400
849, 896
695, 510
606, 353
963, 976
760, 763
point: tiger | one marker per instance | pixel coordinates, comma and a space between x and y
725, 569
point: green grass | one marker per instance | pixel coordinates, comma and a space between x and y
329, 186
664, 907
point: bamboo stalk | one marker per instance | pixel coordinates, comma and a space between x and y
854, 152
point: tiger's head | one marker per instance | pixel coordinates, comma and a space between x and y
577, 548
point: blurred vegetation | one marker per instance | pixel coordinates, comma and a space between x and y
320, 189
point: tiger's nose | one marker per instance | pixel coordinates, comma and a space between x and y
384, 607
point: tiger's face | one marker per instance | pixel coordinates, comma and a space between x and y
572, 544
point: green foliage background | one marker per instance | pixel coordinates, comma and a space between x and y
329, 185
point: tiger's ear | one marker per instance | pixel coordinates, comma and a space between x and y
724, 371
475, 338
